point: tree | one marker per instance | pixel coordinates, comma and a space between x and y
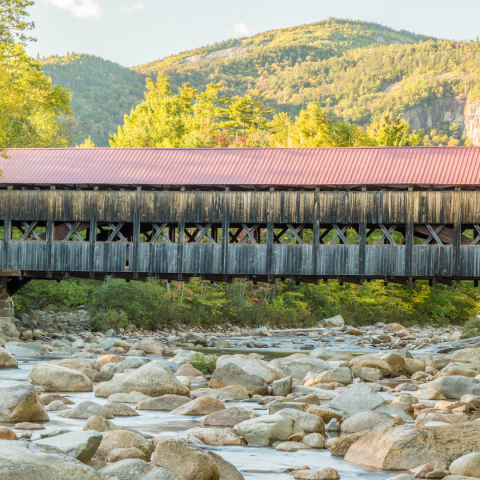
88, 143
393, 134
32, 112
12, 21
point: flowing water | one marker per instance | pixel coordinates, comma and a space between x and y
256, 463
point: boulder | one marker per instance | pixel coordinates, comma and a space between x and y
455, 387
252, 366
364, 421
199, 406
467, 354
322, 353
188, 370
7, 360
367, 373
336, 321
121, 410
20, 403
314, 440
131, 469
266, 430
326, 473
154, 379
468, 465
48, 398
120, 454
55, 406
233, 392
115, 385
150, 346
79, 445
298, 365
77, 364
216, 436
122, 439
195, 464
31, 461
306, 421
456, 369
100, 424
325, 413
341, 445
58, 378
395, 362
7, 434
103, 360
407, 446
282, 387
339, 375
412, 365
361, 398
371, 361
428, 395
277, 406
228, 417
226, 469
232, 374
291, 446
166, 403
132, 362
86, 410
132, 397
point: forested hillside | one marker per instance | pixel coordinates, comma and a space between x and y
103, 92
356, 71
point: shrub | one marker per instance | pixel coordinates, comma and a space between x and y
202, 362
471, 328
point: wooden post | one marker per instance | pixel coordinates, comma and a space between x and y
457, 233
225, 233
93, 230
362, 234
409, 232
133, 263
315, 232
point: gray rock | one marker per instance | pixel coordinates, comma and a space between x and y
363, 421
455, 387
282, 387
322, 353
86, 410
7, 360
298, 365
227, 470
110, 333
306, 421
20, 403
231, 374
31, 461
166, 403
266, 430
54, 433
107, 343
130, 469
79, 445
251, 366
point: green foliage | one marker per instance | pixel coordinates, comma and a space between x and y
202, 362
103, 92
471, 328
49, 295
88, 143
12, 21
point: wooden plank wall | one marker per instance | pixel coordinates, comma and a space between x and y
226, 208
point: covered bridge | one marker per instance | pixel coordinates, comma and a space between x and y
350, 214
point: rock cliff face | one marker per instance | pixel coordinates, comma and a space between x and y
472, 122
457, 110
450, 109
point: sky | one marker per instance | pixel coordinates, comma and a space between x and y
133, 32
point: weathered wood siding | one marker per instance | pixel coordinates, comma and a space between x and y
316, 210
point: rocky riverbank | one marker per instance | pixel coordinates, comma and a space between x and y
396, 408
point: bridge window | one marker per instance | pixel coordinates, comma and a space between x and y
432, 235
382, 234
158, 233
338, 234
244, 234
202, 233
470, 235
71, 231
119, 232
28, 231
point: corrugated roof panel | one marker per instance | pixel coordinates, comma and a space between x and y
244, 166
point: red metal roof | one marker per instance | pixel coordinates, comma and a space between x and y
245, 166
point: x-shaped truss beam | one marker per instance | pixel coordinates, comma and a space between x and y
386, 234
159, 232
72, 231
295, 234
203, 232
340, 234
434, 235
30, 230
477, 239
115, 232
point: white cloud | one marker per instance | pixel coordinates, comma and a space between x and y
241, 29
133, 7
79, 8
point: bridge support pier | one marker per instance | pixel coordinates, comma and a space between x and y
7, 312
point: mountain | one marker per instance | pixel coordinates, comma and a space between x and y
103, 92
356, 70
